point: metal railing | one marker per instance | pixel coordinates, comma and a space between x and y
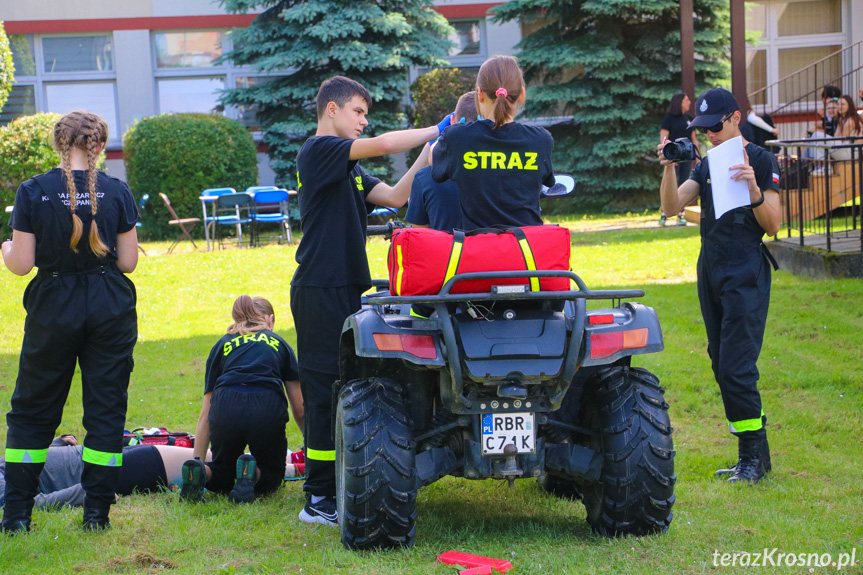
821, 183
797, 96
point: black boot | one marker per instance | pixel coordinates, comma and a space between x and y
764, 454
96, 513
16, 518
749, 468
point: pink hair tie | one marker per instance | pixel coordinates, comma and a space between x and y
501, 92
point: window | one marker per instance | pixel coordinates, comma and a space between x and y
190, 94
187, 49
77, 54
787, 37
189, 77
62, 73
756, 75
467, 39
807, 18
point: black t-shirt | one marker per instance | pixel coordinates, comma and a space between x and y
829, 124
261, 359
433, 204
332, 194
500, 173
34, 213
678, 126
739, 224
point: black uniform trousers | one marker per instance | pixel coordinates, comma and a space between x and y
734, 291
246, 415
319, 314
87, 318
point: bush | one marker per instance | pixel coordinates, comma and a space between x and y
26, 150
7, 68
435, 95
181, 155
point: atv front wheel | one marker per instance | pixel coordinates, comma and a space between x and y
376, 483
636, 492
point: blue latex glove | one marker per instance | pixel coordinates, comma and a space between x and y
447, 120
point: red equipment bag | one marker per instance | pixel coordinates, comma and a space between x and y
421, 260
158, 436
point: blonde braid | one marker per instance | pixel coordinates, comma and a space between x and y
94, 141
62, 141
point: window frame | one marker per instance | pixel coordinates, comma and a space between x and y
772, 43
42, 79
228, 72
471, 60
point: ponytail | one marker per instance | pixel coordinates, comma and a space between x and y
250, 315
87, 132
501, 80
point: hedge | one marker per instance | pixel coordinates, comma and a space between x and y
435, 95
26, 150
181, 155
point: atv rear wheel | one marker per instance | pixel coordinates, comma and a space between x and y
636, 492
376, 484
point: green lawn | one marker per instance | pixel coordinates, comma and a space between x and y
811, 385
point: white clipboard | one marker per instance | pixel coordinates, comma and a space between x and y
727, 194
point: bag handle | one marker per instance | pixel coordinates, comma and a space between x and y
454, 254
527, 254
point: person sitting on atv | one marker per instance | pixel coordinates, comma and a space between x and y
500, 165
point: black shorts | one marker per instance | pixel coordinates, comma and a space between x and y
142, 470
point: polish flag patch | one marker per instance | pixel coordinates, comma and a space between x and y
775, 178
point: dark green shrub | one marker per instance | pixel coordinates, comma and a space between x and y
181, 155
26, 150
435, 95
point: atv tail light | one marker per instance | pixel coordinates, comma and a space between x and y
600, 319
608, 343
421, 346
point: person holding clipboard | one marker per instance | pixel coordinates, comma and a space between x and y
733, 270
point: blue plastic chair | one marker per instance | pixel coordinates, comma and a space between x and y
211, 219
230, 207
271, 207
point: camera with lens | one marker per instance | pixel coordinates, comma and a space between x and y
680, 150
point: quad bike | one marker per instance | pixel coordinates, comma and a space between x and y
535, 386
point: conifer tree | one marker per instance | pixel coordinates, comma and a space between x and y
373, 42
612, 67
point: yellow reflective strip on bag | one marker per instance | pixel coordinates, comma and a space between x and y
26, 455
454, 257
400, 270
319, 455
103, 458
529, 262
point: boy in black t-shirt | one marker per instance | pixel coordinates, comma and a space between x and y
335, 196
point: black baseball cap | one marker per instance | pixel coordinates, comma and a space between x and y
712, 106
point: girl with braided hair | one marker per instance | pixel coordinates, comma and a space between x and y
499, 164
251, 378
77, 226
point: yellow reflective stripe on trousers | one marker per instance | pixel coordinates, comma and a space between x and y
319, 455
400, 270
102, 458
454, 258
746, 424
26, 455
529, 262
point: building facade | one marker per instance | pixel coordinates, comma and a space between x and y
138, 58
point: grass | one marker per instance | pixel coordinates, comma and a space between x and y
810, 383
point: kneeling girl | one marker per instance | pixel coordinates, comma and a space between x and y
248, 373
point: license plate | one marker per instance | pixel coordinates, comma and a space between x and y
502, 429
